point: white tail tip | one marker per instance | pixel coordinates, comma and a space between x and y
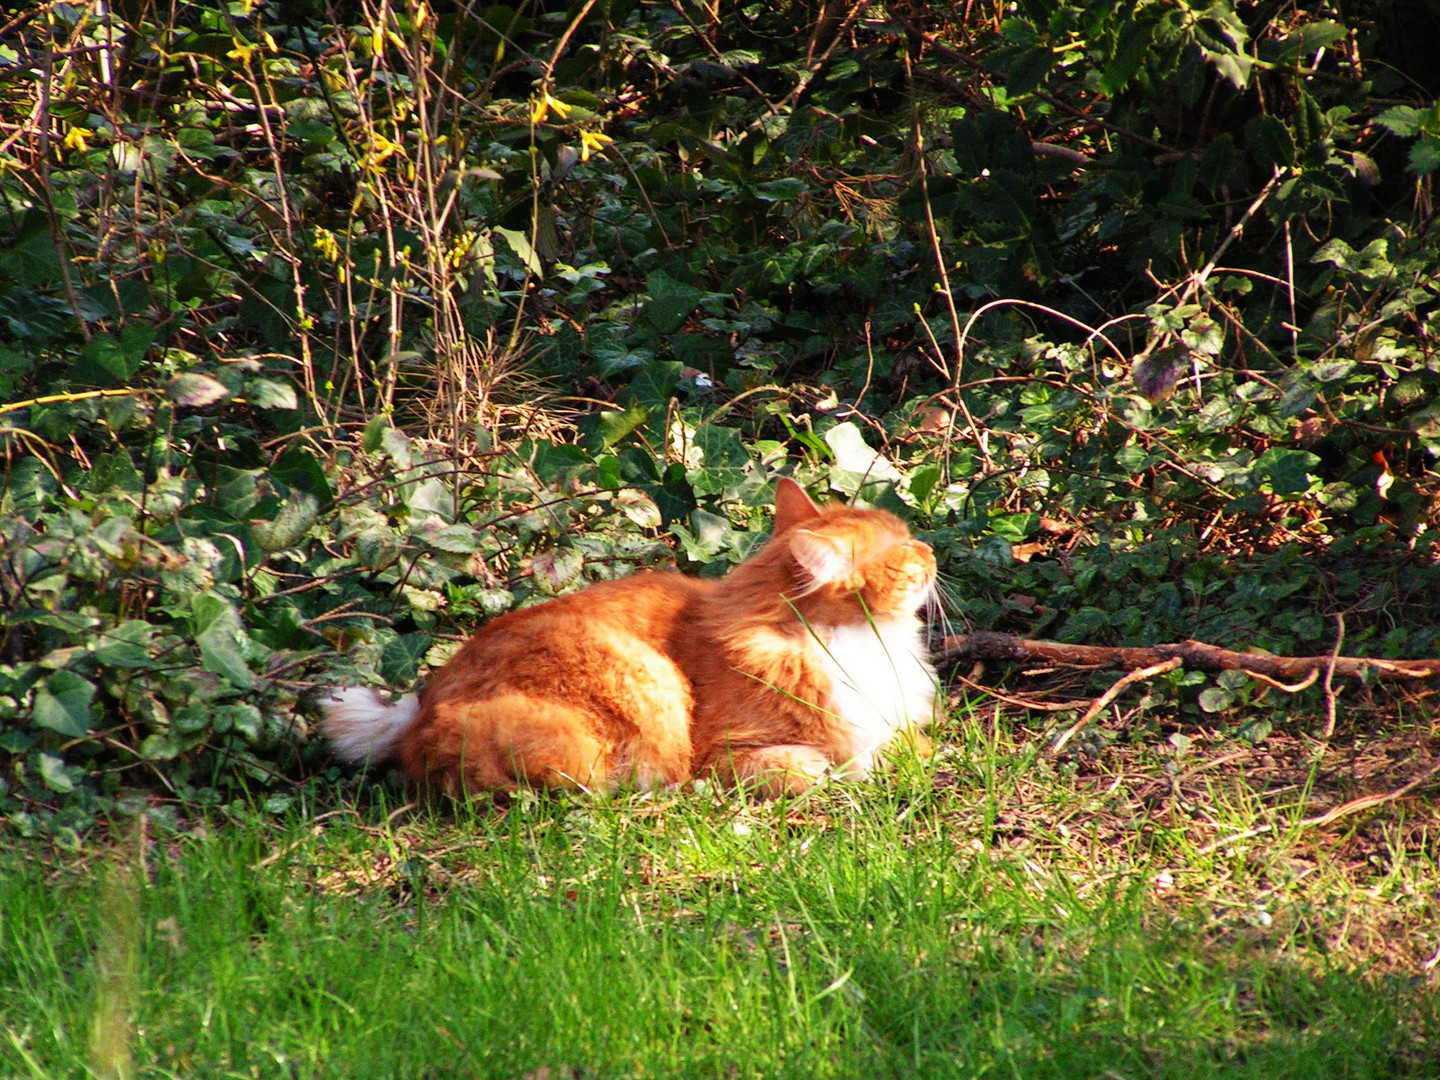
362, 727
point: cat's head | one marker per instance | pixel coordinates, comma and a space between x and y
848, 565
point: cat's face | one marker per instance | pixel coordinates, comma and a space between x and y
848, 565
852, 565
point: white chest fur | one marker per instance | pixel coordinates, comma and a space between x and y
880, 681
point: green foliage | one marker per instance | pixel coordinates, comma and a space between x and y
325, 333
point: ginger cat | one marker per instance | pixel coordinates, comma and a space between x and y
807, 657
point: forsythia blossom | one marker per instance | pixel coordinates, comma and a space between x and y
592, 142
542, 103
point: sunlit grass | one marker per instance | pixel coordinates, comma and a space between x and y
962, 917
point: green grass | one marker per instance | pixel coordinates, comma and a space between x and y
971, 919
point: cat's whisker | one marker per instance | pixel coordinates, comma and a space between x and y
945, 599
934, 615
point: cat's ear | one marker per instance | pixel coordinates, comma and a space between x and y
792, 505
826, 559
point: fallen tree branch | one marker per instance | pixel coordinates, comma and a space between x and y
984, 645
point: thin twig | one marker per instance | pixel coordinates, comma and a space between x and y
1019, 702
1365, 802
1354, 806
813, 67
770, 106
1110, 695
1289, 688
1236, 230
1235, 838
1330, 692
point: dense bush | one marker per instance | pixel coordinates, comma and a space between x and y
326, 331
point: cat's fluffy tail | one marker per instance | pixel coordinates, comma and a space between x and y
362, 727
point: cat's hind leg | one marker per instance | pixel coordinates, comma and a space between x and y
500, 743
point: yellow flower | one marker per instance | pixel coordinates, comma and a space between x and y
460, 248
75, 140
592, 142
381, 149
542, 103
326, 245
241, 52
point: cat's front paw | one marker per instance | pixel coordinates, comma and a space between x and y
912, 741
769, 772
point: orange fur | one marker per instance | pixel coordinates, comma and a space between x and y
806, 657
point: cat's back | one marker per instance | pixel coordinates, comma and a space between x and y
630, 620
647, 605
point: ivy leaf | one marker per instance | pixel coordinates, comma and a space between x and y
193, 390
432, 497
126, 645
1256, 731
376, 548
455, 539
1204, 335
396, 443
115, 471
1216, 415
271, 394
612, 425
119, 357
290, 525
854, 455
160, 747
242, 718
1298, 397
278, 804
62, 703
1015, 528
1287, 471
372, 438
401, 657
709, 536
671, 301
53, 772
1331, 370
787, 189
1214, 700
1084, 622
299, 469
638, 507
557, 568
219, 633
